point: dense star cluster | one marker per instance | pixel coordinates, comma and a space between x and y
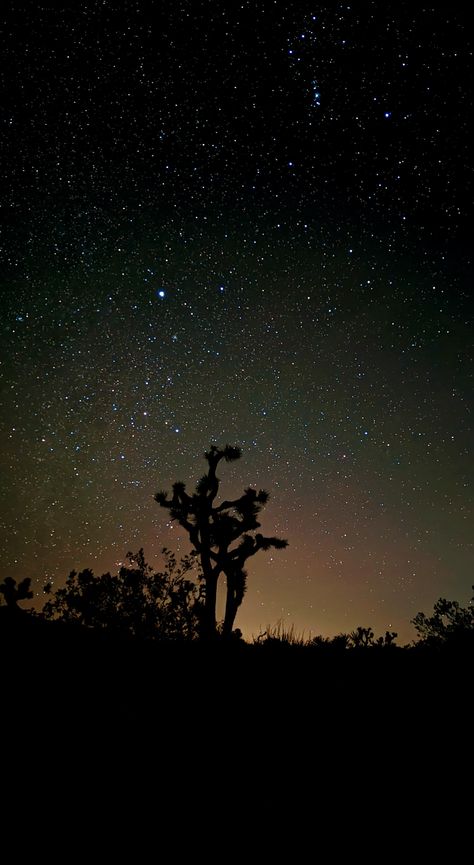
241, 223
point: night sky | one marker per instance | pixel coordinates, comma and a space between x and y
245, 223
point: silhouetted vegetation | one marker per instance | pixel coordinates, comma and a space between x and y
220, 535
13, 592
450, 624
162, 605
361, 638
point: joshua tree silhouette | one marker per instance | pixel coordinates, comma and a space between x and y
14, 592
220, 535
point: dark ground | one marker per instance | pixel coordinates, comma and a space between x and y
246, 730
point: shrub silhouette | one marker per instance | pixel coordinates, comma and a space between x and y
449, 623
280, 634
220, 535
339, 643
152, 605
361, 638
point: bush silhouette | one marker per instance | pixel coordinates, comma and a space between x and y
449, 623
152, 605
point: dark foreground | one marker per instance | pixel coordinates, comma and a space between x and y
238, 726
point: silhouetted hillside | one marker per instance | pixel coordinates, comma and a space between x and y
283, 730
52, 668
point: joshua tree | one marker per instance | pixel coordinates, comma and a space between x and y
14, 592
362, 638
220, 535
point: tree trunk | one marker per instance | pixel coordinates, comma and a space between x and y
208, 623
231, 608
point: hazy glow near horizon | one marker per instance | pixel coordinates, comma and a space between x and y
243, 229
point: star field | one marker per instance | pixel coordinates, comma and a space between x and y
247, 224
